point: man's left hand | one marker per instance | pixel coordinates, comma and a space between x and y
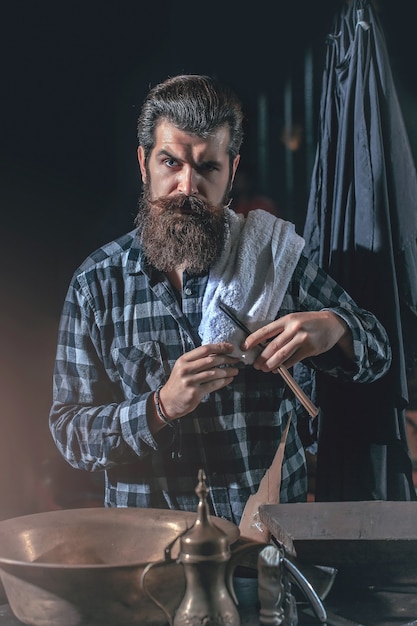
297, 336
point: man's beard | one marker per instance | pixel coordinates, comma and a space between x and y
181, 231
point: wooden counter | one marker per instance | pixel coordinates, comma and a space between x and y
376, 540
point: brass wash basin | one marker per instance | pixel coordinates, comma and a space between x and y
82, 567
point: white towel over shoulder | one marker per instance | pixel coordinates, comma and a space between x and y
251, 276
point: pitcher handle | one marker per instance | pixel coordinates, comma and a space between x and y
167, 559
145, 589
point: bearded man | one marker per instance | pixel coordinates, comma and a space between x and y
139, 391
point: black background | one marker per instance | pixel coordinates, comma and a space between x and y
73, 76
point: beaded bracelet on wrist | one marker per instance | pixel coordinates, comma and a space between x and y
158, 407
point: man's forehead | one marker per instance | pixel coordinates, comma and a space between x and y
170, 137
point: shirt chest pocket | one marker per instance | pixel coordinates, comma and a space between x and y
141, 368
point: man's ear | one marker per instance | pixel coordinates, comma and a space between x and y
234, 168
141, 159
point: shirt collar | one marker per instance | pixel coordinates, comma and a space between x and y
136, 262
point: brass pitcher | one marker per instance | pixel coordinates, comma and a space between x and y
209, 564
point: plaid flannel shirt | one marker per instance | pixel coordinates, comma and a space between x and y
121, 331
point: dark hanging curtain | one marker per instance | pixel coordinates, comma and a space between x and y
361, 226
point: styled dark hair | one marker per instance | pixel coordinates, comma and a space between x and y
195, 104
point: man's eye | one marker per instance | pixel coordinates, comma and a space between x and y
208, 167
170, 162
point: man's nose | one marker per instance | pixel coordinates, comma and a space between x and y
188, 182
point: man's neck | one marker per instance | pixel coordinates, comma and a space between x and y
175, 278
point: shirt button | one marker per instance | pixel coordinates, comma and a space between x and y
188, 291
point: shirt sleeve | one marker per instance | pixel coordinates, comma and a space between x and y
312, 289
92, 423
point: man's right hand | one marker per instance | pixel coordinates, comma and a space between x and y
195, 374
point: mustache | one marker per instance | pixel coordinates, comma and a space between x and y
180, 202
